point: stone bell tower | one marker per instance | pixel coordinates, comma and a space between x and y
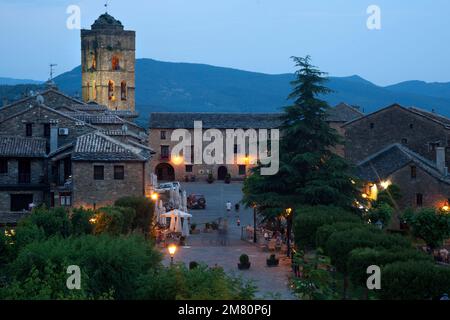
108, 64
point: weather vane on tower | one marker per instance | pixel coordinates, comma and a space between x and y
106, 6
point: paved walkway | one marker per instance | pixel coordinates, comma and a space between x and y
272, 283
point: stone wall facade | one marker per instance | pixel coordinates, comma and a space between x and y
98, 50
91, 193
394, 124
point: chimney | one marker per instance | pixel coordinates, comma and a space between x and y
440, 160
53, 138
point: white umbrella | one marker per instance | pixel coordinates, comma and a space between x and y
185, 232
184, 201
178, 227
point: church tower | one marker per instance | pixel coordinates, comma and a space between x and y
108, 64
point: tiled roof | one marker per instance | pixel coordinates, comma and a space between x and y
89, 107
106, 21
12, 146
343, 113
167, 120
99, 119
385, 162
100, 147
431, 115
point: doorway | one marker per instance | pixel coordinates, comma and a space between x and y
222, 173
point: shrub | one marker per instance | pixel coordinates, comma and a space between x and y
52, 221
390, 195
144, 210
109, 220
244, 259
26, 233
414, 280
309, 219
201, 283
360, 259
193, 265
429, 225
340, 244
324, 232
80, 221
110, 264
382, 212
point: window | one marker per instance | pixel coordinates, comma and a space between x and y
94, 61
119, 172
111, 91
20, 202
29, 129
236, 149
164, 152
65, 199
3, 166
188, 168
99, 173
93, 91
46, 130
242, 170
404, 141
411, 126
163, 135
115, 63
413, 172
419, 199
123, 91
24, 171
372, 125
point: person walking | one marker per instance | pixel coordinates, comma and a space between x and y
228, 205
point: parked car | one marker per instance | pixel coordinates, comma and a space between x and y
167, 186
196, 201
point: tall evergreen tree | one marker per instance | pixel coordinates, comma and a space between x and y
310, 173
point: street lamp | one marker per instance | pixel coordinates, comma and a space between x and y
288, 231
254, 223
172, 248
154, 196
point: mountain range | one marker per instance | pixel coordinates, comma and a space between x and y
177, 87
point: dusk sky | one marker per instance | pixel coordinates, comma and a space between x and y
254, 35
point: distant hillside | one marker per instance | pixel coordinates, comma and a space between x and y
167, 86
13, 82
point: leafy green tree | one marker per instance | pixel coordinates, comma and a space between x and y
316, 282
52, 221
429, 225
390, 195
109, 220
80, 221
310, 218
414, 280
144, 210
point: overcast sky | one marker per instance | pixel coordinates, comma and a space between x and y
255, 35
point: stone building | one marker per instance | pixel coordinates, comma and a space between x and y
163, 124
95, 170
108, 64
41, 160
419, 130
423, 183
404, 146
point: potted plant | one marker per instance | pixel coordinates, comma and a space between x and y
227, 179
272, 261
210, 178
244, 262
193, 226
207, 227
182, 241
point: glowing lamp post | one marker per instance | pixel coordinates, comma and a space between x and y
154, 196
172, 248
288, 231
